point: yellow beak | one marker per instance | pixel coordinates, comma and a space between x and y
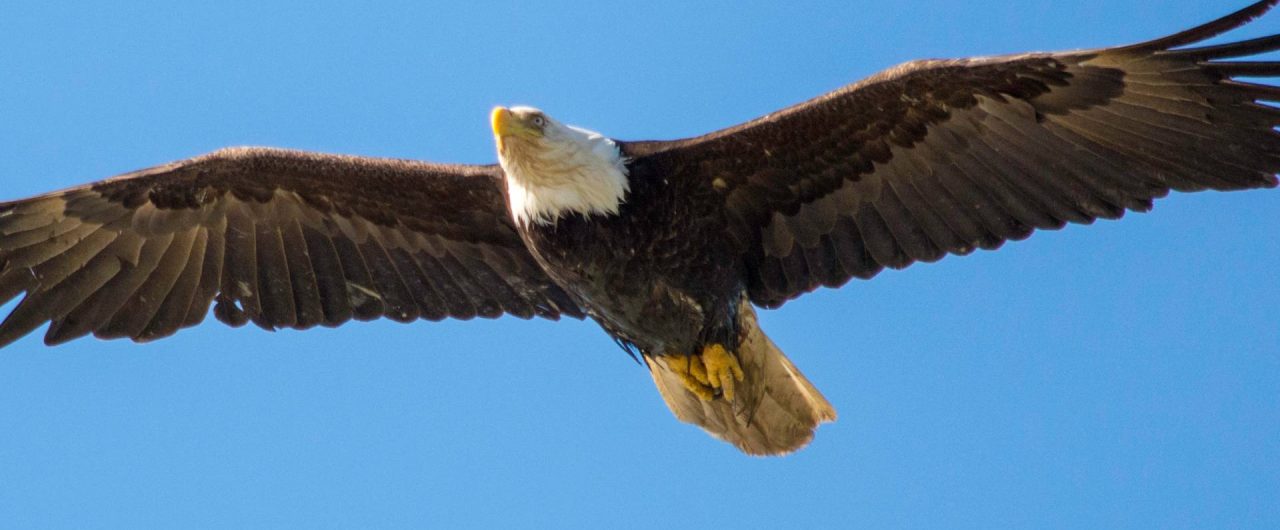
501, 120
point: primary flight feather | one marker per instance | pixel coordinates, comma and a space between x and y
668, 245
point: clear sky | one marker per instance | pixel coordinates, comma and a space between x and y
1121, 375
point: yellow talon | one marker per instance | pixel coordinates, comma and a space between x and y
698, 370
722, 368
714, 369
687, 368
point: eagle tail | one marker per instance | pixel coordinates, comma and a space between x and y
775, 409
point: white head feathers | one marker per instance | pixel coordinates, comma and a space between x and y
553, 170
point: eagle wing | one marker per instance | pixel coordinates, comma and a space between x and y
283, 239
941, 157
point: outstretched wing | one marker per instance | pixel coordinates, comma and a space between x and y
283, 239
941, 157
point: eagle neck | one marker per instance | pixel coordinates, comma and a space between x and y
575, 171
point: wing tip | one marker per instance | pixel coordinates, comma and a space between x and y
1208, 30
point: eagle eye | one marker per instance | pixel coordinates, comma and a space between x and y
538, 121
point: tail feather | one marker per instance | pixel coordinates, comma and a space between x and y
775, 410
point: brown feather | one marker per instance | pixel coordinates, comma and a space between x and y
279, 238
306, 298
132, 288
146, 302
944, 156
169, 316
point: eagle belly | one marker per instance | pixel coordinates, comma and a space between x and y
667, 282
663, 282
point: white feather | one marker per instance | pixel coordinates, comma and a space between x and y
567, 170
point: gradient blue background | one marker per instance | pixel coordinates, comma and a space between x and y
1120, 375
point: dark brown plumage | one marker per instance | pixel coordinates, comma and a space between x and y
942, 157
279, 238
924, 160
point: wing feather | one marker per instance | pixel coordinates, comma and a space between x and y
283, 239
131, 316
398, 303
210, 271
330, 276
306, 296
940, 157
171, 312
238, 296
146, 302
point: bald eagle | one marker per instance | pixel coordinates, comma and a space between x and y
668, 245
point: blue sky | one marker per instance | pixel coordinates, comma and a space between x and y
1125, 374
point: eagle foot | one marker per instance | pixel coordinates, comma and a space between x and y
708, 374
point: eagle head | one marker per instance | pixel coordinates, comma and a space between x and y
554, 170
